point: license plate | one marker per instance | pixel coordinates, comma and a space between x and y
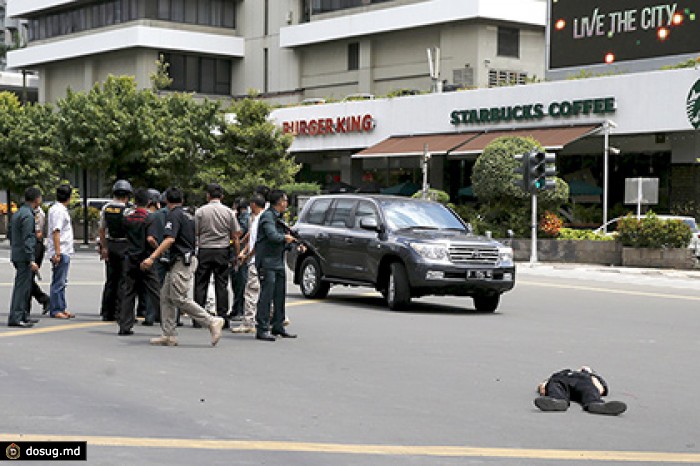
479, 274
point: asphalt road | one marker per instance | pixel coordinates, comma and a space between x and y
438, 385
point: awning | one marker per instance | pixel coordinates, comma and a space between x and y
553, 138
411, 146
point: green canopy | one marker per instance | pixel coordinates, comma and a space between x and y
403, 189
581, 188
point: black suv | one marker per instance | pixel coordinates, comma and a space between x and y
402, 247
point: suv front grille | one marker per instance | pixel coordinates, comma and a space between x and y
473, 255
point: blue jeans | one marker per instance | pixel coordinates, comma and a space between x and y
59, 277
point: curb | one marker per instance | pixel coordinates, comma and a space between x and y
603, 269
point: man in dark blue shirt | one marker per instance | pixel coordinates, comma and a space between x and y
179, 239
270, 246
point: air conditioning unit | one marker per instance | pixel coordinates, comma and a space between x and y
463, 77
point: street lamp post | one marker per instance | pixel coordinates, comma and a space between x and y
606, 156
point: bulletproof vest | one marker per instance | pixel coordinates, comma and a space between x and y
114, 218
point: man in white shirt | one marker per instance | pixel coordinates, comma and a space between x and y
60, 248
252, 287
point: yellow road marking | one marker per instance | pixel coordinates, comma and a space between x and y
609, 290
11, 284
359, 449
55, 328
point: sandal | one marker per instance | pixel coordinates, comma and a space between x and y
60, 315
70, 315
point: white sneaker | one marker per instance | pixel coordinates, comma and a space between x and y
243, 329
215, 330
164, 341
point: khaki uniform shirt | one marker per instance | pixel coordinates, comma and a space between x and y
214, 225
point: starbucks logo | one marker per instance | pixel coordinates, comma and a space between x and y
694, 105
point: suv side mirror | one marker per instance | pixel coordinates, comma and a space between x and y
369, 223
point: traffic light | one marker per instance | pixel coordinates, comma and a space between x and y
541, 166
536, 170
522, 169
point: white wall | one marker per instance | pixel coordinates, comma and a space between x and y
646, 103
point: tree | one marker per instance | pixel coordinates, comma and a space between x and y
252, 150
27, 145
109, 128
505, 205
493, 178
182, 145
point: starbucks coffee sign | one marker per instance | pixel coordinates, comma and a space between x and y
693, 105
523, 113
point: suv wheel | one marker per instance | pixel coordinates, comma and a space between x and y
398, 291
486, 303
311, 285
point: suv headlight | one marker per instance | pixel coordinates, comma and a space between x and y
432, 252
505, 257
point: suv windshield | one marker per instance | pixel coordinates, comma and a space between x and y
426, 215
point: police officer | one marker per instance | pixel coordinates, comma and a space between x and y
139, 226
179, 239
217, 232
113, 246
583, 386
270, 246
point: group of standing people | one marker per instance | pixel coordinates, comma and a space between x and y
157, 250
26, 235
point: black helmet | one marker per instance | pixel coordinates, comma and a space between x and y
153, 196
121, 187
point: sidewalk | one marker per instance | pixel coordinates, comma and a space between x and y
550, 268
539, 268
77, 245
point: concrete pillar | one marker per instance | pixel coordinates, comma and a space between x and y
365, 78
89, 78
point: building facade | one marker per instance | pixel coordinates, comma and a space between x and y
654, 120
286, 50
14, 33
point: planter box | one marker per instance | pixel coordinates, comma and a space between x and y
659, 258
583, 252
78, 230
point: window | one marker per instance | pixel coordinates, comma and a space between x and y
177, 11
317, 212
203, 12
191, 73
508, 42
207, 76
341, 213
266, 69
163, 9
216, 13
353, 56
365, 210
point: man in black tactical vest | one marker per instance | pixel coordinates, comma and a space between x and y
113, 246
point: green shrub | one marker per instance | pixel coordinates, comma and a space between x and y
435, 195
650, 232
76, 213
579, 235
293, 189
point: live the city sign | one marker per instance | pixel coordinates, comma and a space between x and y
326, 126
534, 111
